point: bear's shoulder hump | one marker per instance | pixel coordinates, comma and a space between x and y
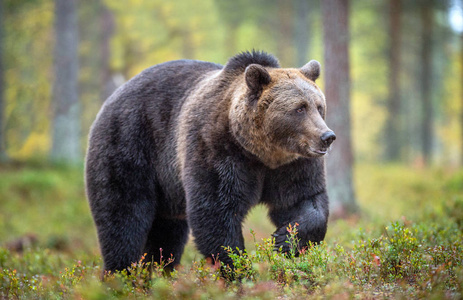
239, 62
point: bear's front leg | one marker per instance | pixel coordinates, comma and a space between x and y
218, 200
215, 227
310, 217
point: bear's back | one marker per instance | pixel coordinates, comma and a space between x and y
137, 124
165, 81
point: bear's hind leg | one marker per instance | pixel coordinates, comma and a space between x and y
170, 235
123, 233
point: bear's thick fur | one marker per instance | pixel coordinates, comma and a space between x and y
190, 144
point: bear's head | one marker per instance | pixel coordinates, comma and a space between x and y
279, 114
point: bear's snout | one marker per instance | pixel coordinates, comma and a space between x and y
328, 138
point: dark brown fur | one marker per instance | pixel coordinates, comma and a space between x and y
196, 139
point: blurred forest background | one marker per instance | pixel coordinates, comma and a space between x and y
59, 61
392, 71
405, 65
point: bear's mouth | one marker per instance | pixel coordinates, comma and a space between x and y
308, 149
320, 152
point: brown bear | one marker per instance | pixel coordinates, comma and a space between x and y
195, 145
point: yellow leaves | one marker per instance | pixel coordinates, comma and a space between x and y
368, 117
37, 144
450, 130
28, 50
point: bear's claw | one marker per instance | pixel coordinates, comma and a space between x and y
281, 240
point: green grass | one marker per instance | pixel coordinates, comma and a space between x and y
406, 243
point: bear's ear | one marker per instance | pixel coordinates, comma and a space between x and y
311, 70
256, 77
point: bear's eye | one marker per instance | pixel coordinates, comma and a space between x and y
300, 109
320, 110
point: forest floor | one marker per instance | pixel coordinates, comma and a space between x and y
406, 243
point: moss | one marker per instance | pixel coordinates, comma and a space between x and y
406, 244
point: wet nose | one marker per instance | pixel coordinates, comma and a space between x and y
328, 137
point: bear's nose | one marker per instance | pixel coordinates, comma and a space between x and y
328, 137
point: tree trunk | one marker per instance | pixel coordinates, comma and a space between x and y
231, 41
232, 13
285, 33
108, 86
337, 86
426, 82
461, 95
393, 144
66, 120
2, 88
188, 49
302, 31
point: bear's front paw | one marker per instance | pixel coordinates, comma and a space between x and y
281, 237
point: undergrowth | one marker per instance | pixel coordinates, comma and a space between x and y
418, 254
